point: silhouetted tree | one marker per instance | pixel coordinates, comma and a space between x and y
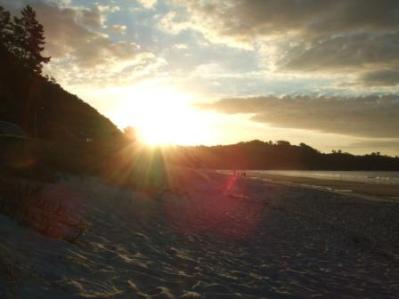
130, 133
283, 143
5, 27
307, 147
29, 40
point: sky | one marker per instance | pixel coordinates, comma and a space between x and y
216, 72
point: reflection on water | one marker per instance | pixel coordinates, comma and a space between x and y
376, 177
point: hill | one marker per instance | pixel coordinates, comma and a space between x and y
63, 132
44, 109
282, 155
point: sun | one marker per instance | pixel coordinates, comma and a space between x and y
163, 115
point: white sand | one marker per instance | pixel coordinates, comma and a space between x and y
219, 238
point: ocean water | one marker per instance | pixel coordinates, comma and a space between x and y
375, 177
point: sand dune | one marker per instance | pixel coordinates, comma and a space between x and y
211, 236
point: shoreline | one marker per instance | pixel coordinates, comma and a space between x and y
366, 190
370, 191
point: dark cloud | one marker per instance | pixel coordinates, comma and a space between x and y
372, 116
361, 50
244, 19
330, 36
386, 77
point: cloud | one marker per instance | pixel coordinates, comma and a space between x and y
147, 3
81, 52
384, 77
371, 116
246, 19
371, 58
321, 37
361, 50
174, 22
108, 8
119, 28
181, 46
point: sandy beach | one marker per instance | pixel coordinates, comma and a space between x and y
210, 236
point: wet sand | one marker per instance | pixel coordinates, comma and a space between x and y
211, 236
371, 191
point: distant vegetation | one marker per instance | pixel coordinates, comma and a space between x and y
282, 155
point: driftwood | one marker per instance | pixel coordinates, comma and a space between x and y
50, 209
